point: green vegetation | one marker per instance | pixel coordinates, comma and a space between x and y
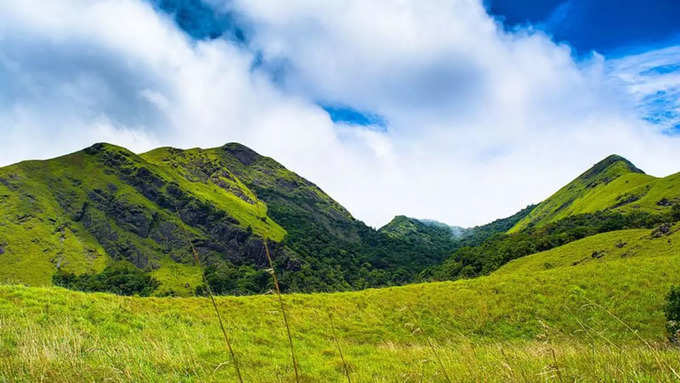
559, 315
447, 238
487, 256
121, 279
583, 208
478, 234
414, 230
613, 184
574, 289
228, 280
675, 212
83, 211
672, 311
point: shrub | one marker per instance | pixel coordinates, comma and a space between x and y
121, 279
675, 212
672, 311
224, 278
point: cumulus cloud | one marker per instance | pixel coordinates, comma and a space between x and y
481, 120
478, 121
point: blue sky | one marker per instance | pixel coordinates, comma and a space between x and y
611, 27
456, 110
615, 29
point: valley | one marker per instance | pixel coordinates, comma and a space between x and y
571, 289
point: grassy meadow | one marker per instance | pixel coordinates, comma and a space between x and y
564, 315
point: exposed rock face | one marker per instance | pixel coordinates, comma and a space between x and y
662, 230
664, 202
242, 153
132, 218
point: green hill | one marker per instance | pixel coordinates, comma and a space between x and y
589, 311
614, 184
457, 231
435, 237
82, 211
105, 205
566, 295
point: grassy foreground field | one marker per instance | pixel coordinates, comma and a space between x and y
588, 311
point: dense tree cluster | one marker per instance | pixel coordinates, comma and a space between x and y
226, 279
122, 279
672, 311
675, 212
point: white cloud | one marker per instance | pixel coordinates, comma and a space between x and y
480, 121
652, 82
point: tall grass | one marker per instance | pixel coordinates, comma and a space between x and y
439, 359
532, 325
272, 271
345, 367
653, 350
417, 330
227, 341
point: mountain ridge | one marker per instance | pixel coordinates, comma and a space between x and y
85, 211
613, 184
102, 205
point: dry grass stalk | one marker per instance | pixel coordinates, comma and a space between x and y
439, 359
227, 341
429, 343
557, 367
283, 311
337, 344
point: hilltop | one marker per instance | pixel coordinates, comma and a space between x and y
613, 184
438, 237
104, 205
612, 195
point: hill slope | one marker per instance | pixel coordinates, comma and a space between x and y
82, 211
526, 322
613, 184
105, 205
438, 238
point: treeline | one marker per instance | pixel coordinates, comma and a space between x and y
227, 279
322, 262
121, 279
499, 249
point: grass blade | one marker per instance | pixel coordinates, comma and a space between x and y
227, 341
283, 311
337, 344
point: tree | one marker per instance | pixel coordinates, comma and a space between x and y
121, 279
675, 212
672, 311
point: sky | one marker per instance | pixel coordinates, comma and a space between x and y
461, 111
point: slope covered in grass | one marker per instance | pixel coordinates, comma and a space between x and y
103, 205
82, 211
526, 322
613, 184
